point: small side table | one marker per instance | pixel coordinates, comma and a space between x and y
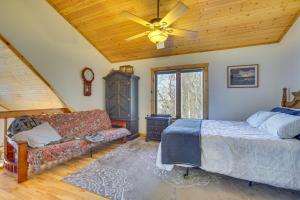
155, 125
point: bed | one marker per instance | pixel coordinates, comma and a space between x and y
239, 150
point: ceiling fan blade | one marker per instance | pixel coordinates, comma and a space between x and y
137, 36
175, 13
135, 18
182, 32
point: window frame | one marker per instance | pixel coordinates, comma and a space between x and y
178, 70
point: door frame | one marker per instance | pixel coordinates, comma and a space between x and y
203, 66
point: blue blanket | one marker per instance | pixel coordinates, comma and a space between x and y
181, 143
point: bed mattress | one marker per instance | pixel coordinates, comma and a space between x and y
241, 151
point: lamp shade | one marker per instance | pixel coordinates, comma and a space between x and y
157, 36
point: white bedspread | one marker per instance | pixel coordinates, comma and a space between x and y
238, 150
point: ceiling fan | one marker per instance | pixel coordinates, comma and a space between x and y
160, 27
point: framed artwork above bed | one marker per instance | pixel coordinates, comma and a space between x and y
242, 76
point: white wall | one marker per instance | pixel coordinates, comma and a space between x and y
231, 103
1, 129
290, 46
55, 49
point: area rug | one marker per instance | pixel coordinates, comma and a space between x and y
129, 173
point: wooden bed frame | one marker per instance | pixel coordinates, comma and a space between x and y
295, 103
19, 167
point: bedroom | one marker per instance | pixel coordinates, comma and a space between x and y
265, 33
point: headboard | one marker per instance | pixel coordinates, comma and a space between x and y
295, 103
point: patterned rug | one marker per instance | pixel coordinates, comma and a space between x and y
129, 173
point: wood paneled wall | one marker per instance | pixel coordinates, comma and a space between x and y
21, 86
221, 24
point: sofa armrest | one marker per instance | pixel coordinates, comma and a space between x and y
118, 124
18, 165
22, 161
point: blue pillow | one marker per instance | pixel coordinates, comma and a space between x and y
286, 111
298, 137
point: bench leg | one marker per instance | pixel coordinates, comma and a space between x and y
250, 183
186, 173
91, 152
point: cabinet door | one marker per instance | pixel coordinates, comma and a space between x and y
124, 98
112, 98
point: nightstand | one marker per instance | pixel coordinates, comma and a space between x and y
155, 125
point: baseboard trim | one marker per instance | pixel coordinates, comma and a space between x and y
142, 134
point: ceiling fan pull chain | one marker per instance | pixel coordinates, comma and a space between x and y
157, 8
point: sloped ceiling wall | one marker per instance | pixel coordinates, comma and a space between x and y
55, 49
20, 88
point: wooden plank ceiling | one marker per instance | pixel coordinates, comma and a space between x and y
20, 87
221, 24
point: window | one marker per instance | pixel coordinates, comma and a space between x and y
166, 93
180, 91
192, 94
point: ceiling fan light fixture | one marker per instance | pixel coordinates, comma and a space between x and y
157, 36
159, 28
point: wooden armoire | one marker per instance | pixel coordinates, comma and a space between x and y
121, 99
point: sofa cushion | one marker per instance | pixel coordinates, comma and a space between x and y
78, 124
114, 133
39, 136
63, 151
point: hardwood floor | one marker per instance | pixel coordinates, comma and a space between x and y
49, 184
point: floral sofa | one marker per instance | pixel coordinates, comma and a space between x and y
73, 127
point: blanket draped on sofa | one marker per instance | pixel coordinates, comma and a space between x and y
73, 127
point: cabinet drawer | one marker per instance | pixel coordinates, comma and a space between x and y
154, 137
156, 129
157, 123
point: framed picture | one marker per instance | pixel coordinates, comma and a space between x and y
242, 76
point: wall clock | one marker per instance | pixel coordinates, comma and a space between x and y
88, 77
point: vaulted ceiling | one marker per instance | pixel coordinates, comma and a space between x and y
221, 24
21, 87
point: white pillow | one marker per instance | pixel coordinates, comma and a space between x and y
39, 136
282, 125
259, 117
